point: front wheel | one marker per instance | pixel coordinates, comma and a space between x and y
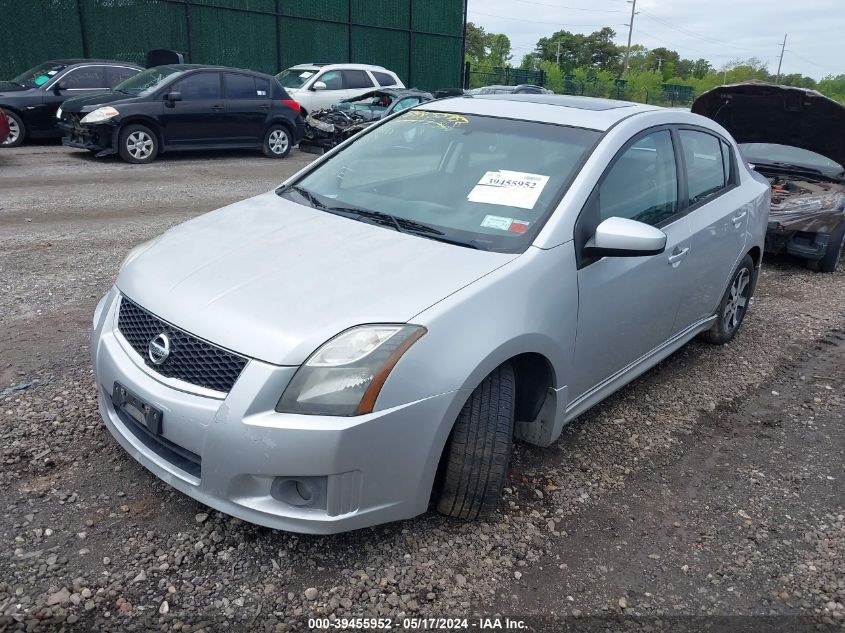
475, 462
734, 304
17, 130
138, 144
277, 142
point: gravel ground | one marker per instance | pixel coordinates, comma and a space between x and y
708, 491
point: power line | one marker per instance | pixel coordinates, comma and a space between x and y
705, 38
560, 6
546, 23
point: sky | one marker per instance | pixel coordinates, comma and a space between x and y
718, 30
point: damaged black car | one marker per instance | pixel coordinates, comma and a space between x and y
795, 138
329, 127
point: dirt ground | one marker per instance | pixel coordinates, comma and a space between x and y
707, 494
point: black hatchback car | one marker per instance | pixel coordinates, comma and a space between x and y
31, 99
184, 106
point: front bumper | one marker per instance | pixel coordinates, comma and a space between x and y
804, 244
96, 138
367, 469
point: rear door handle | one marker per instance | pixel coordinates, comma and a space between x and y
265, 106
738, 218
216, 108
677, 255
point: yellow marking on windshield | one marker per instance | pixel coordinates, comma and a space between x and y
443, 120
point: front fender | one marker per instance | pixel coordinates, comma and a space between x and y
527, 305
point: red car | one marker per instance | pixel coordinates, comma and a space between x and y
4, 126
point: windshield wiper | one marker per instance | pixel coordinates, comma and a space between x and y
401, 225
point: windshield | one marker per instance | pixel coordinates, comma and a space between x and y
295, 77
479, 181
39, 75
148, 81
772, 154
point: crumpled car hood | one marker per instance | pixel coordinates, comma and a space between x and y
273, 280
760, 112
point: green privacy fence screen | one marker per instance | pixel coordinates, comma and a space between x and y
421, 40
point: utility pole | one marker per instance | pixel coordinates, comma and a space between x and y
630, 32
780, 61
557, 56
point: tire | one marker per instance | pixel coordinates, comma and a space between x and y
734, 304
17, 130
277, 142
833, 253
138, 144
474, 465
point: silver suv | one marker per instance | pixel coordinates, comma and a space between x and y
374, 333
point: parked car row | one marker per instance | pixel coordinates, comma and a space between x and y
110, 107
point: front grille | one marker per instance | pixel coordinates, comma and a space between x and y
191, 359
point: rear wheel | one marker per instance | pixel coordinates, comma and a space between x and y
833, 253
138, 144
734, 304
17, 130
475, 462
277, 142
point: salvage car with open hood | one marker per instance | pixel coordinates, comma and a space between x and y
795, 138
329, 127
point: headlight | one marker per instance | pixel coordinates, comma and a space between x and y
138, 250
100, 114
59, 113
346, 374
810, 204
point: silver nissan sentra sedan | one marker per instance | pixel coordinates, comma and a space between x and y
371, 337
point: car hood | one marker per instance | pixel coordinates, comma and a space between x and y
91, 102
273, 280
759, 112
10, 91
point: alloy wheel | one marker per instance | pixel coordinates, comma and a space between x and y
737, 300
139, 144
14, 131
278, 141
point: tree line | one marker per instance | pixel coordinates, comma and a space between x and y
570, 60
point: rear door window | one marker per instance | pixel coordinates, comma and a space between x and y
642, 184
240, 86
85, 78
707, 174
262, 88
356, 79
199, 87
384, 79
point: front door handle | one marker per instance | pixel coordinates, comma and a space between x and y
677, 255
738, 218
216, 108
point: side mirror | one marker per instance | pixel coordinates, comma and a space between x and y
319, 85
172, 97
57, 89
621, 237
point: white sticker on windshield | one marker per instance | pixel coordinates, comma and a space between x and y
496, 222
509, 188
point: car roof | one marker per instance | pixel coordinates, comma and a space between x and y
73, 61
211, 67
330, 66
586, 112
